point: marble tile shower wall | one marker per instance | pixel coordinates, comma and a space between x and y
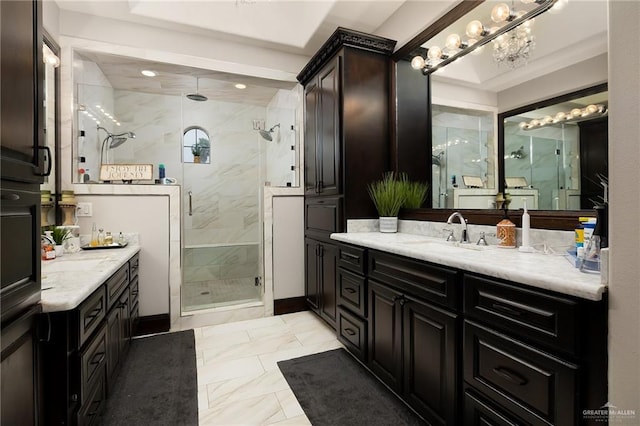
205, 264
542, 166
279, 155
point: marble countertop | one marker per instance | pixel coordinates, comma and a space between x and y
68, 280
547, 271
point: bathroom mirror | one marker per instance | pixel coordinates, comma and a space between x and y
555, 152
51, 51
569, 54
161, 106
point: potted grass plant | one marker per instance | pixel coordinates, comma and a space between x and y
59, 235
415, 193
387, 195
196, 150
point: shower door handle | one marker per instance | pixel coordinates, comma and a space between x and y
190, 204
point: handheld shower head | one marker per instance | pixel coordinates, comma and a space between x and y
266, 134
113, 141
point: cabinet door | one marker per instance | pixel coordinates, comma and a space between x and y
21, 105
311, 281
385, 334
329, 132
430, 361
114, 336
329, 274
125, 323
310, 138
20, 371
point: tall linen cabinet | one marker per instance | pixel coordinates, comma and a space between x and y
347, 143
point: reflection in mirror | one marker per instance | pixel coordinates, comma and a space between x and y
112, 92
568, 53
463, 157
51, 186
557, 150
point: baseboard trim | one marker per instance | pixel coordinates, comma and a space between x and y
151, 324
290, 305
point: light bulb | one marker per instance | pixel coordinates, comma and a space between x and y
523, 125
417, 63
475, 29
534, 123
547, 119
500, 13
558, 6
434, 53
576, 112
592, 109
560, 116
453, 42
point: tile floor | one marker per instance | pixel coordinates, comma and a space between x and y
239, 382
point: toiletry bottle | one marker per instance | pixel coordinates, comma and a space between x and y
101, 237
579, 236
121, 239
526, 225
108, 239
161, 172
94, 236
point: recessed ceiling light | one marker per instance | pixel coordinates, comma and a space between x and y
148, 73
241, 86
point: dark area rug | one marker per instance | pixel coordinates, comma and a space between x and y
157, 384
334, 389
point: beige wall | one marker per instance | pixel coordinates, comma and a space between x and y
288, 247
624, 178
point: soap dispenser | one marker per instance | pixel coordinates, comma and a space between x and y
526, 225
506, 232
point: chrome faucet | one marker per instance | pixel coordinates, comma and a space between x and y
464, 237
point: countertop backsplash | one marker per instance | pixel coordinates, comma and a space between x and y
540, 238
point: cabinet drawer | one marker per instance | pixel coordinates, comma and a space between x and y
115, 284
424, 280
134, 264
529, 314
352, 258
91, 313
323, 215
93, 363
89, 413
532, 384
133, 293
352, 292
352, 332
478, 412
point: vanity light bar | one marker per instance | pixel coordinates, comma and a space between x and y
485, 36
576, 114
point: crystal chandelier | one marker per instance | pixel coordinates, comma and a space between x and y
515, 47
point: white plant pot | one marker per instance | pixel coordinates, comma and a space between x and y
59, 249
388, 224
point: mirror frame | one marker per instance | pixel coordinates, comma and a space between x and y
542, 219
57, 182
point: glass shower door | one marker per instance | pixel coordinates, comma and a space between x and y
222, 202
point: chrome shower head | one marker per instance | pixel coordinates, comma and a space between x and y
197, 96
266, 134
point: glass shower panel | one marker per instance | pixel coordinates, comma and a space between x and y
222, 203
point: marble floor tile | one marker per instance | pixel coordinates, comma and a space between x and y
260, 410
239, 382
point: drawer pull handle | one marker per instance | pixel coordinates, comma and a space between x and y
506, 309
349, 290
510, 376
350, 331
349, 256
10, 197
97, 358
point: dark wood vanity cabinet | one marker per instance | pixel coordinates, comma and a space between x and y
463, 348
413, 342
536, 357
86, 348
320, 282
346, 116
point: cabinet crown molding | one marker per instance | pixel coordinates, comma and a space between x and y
344, 37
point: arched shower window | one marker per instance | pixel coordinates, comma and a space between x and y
196, 145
